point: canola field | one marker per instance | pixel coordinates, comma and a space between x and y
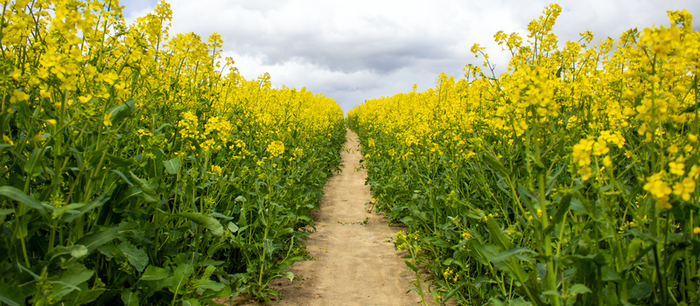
569, 179
132, 171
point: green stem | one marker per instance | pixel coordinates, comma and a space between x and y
551, 273
662, 287
262, 256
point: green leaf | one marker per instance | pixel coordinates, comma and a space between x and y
95, 240
609, 275
143, 185
496, 165
172, 166
6, 211
153, 273
495, 302
482, 280
11, 296
644, 236
71, 209
502, 256
497, 235
32, 167
454, 290
77, 251
118, 161
641, 291
221, 216
561, 212
121, 174
121, 112
191, 302
208, 222
97, 202
578, 207
288, 275
22, 227
579, 289
130, 298
72, 277
519, 302
411, 265
137, 257
633, 249
207, 284
181, 276
88, 296
232, 227
19, 196
529, 194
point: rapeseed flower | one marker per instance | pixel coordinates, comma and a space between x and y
684, 188
275, 148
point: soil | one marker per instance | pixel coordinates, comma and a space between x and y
350, 261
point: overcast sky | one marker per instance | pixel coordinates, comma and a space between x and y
357, 49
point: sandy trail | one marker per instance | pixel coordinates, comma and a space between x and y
352, 264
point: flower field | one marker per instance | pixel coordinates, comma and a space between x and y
132, 171
570, 179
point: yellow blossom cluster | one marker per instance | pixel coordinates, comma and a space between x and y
611, 123
275, 148
601, 96
92, 104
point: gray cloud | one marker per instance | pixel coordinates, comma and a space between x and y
357, 50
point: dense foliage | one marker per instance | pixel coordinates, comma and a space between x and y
570, 179
132, 171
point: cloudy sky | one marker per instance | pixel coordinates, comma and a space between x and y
359, 49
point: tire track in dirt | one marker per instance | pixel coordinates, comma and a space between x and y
352, 263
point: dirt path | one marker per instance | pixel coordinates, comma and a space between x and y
352, 263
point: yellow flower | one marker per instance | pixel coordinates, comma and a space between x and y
696, 230
582, 151
600, 147
466, 235
216, 170
85, 99
677, 168
448, 272
188, 125
663, 202
18, 96
694, 172
107, 119
585, 172
657, 187
39, 137
51, 121
7, 140
16, 74
607, 161
684, 188
275, 148
693, 138
672, 149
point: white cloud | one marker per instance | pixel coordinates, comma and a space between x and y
356, 50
